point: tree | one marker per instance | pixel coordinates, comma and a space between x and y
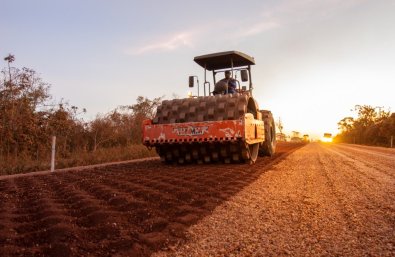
28, 121
346, 124
370, 127
20, 97
10, 58
101, 131
143, 109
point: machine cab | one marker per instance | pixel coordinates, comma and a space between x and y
236, 63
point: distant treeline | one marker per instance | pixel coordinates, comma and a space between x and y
373, 126
28, 120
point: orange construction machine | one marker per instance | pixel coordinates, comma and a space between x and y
225, 124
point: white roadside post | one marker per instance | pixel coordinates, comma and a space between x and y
53, 153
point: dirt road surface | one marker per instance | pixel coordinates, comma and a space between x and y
314, 201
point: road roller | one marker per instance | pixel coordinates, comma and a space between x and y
222, 122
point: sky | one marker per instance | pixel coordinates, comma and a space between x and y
315, 59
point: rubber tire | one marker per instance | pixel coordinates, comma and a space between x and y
268, 147
254, 152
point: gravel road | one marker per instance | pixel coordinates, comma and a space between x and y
322, 200
315, 200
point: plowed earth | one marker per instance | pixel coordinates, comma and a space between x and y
128, 209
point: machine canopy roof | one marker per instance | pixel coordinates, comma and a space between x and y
223, 60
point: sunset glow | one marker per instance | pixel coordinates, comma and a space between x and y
327, 139
315, 60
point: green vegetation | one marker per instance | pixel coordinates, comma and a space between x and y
371, 127
28, 120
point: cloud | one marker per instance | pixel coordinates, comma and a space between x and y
198, 35
281, 15
168, 44
259, 28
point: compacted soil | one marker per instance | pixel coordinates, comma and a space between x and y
322, 200
126, 209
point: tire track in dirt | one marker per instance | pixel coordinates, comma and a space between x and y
347, 212
367, 183
361, 202
314, 195
128, 209
360, 166
307, 205
387, 165
381, 152
318, 197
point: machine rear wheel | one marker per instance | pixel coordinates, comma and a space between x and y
254, 151
268, 147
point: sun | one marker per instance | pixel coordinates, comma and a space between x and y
327, 138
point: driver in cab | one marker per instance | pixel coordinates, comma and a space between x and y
226, 85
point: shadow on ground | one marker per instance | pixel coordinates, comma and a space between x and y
120, 210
